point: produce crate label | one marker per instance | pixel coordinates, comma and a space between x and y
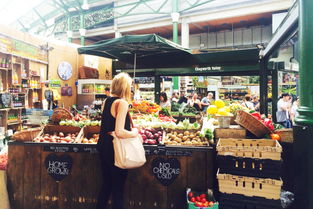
58, 167
178, 153
56, 149
76, 149
165, 170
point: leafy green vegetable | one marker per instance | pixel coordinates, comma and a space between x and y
164, 111
208, 133
175, 107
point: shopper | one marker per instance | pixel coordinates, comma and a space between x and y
183, 98
294, 110
175, 97
114, 118
107, 92
256, 103
247, 102
195, 102
164, 102
283, 110
207, 101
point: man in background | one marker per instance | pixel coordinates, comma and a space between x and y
207, 101
283, 110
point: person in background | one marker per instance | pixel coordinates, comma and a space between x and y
247, 102
195, 102
107, 92
294, 110
164, 102
207, 101
256, 103
175, 97
283, 110
183, 98
115, 118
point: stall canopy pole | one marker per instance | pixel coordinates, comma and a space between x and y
263, 87
135, 62
303, 131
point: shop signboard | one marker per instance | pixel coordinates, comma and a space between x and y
20, 48
58, 167
165, 170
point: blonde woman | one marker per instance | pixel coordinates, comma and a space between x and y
115, 118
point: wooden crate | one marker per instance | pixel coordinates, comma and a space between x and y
51, 129
234, 131
251, 148
286, 135
88, 131
249, 186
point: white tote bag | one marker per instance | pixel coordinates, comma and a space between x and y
128, 153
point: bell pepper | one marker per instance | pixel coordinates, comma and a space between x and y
269, 124
256, 115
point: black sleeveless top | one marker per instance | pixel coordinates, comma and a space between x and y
105, 145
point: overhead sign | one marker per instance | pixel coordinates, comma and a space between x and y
209, 68
19, 48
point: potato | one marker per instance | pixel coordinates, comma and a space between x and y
180, 135
175, 133
198, 133
185, 138
186, 133
192, 136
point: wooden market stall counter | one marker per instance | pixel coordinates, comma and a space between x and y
161, 183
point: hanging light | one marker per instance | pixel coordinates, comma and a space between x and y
85, 5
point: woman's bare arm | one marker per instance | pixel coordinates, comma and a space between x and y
122, 110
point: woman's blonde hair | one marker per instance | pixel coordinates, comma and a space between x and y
121, 86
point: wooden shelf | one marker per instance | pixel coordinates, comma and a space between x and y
14, 123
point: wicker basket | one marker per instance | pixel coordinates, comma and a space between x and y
252, 124
286, 135
61, 114
26, 135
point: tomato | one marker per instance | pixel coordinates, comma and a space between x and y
203, 200
190, 194
199, 204
203, 196
193, 199
275, 137
211, 204
206, 204
198, 198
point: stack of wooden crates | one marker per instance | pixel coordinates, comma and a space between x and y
249, 173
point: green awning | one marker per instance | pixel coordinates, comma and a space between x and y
147, 48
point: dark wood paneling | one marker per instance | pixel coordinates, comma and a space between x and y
30, 186
15, 176
32, 173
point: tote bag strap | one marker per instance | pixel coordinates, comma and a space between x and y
130, 118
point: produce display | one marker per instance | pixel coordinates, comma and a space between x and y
219, 109
3, 160
92, 140
266, 121
145, 107
151, 136
57, 138
201, 201
81, 123
187, 138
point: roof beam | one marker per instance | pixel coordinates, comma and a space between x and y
41, 18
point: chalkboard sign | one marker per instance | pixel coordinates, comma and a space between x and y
165, 170
58, 167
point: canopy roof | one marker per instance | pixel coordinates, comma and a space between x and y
153, 51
